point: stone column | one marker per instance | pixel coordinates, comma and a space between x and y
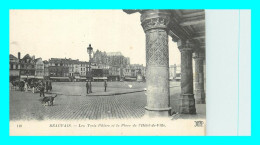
174, 70
187, 101
199, 77
155, 23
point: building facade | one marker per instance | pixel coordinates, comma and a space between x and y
83, 65
111, 59
58, 71
27, 64
106, 66
46, 68
39, 68
14, 67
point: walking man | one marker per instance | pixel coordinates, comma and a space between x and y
50, 85
47, 86
26, 86
21, 85
87, 87
90, 87
42, 89
33, 87
105, 85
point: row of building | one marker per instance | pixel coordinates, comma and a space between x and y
109, 66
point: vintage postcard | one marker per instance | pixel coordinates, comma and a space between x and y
107, 72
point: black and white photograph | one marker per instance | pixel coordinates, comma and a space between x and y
107, 72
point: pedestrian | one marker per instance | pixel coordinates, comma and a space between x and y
87, 87
33, 86
90, 87
50, 85
21, 85
47, 86
26, 86
105, 85
42, 89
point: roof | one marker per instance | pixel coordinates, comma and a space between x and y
114, 54
184, 24
188, 24
45, 62
66, 61
37, 59
27, 56
12, 56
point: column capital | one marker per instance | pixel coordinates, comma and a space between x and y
155, 19
199, 54
186, 45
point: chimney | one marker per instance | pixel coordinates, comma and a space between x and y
19, 56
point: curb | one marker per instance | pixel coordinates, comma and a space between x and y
113, 94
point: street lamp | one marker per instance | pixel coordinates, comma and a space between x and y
90, 50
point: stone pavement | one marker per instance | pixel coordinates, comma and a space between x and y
114, 88
28, 106
73, 103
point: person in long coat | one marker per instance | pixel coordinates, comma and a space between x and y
87, 87
42, 89
105, 85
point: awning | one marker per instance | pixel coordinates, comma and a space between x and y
67, 78
113, 76
25, 77
99, 78
38, 77
77, 77
128, 78
83, 78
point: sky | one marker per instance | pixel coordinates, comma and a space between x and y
67, 34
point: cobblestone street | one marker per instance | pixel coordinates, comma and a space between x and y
73, 103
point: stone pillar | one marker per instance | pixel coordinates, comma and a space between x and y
187, 101
199, 77
155, 23
174, 70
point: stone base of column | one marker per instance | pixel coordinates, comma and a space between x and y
199, 97
200, 101
187, 104
157, 112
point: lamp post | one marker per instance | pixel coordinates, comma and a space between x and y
90, 50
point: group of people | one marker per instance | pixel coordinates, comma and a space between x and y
22, 85
89, 86
41, 85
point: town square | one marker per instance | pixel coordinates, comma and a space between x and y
80, 65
